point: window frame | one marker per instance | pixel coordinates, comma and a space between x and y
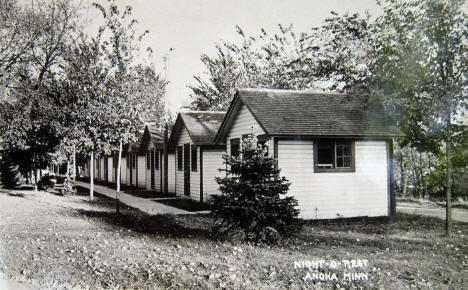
235, 141
193, 161
180, 161
335, 169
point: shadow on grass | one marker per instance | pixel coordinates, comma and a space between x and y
136, 221
186, 204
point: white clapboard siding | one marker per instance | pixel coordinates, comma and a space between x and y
157, 178
195, 177
147, 172
113, 172
332, 195
158, 172
182, 139
110, 176
244, 123
171, 173
212, 161
95, 173
147, 178
102, 173
141, 167
123, 170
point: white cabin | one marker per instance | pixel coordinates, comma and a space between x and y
197, 158
335, 153
153, 145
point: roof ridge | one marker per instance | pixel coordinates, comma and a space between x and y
219, 112
294, 91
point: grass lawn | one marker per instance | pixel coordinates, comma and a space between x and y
50, 241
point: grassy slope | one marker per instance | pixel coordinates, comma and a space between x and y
49, 240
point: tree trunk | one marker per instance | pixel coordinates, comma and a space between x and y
91, 177
448, 198
117, 193
74, 163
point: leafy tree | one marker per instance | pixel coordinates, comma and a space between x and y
30, 53
334, 56
421, 72
135, 90
253, 196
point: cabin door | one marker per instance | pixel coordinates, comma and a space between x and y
152, 160
106, 169
187, 169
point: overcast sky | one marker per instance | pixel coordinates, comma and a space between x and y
192, 27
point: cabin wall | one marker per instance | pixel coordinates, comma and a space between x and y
110, 176
244, 123
127, 170
332, 195
182, 139
101, 171
148, 171
158, 171
123, 170
141, 168
212, 161
171, 173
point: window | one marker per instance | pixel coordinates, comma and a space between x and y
148, 159
156, 159
179, 158
134, 160
194, 157
128, 161
264, 146
334, 156
235, 146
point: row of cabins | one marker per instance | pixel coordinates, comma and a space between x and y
335, 151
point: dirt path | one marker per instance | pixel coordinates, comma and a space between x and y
458, 214
145, 205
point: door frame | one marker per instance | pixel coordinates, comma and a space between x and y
152, 161
186, 169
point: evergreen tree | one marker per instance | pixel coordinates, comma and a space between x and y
253, 197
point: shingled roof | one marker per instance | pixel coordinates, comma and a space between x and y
201, 126
308, 113
151, 134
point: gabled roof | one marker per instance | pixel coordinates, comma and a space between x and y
151, 134
307, 113
202, 126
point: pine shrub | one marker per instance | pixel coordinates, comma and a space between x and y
253, 197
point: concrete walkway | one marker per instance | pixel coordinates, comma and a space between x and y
148, 206
458, 214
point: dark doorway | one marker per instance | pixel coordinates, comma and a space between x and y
106, 169
187, 169
152, 158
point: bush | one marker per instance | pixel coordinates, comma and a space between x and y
9, 173
253, 197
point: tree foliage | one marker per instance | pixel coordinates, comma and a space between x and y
253, 196
67, 91
421, 67
334, 56
420, 70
